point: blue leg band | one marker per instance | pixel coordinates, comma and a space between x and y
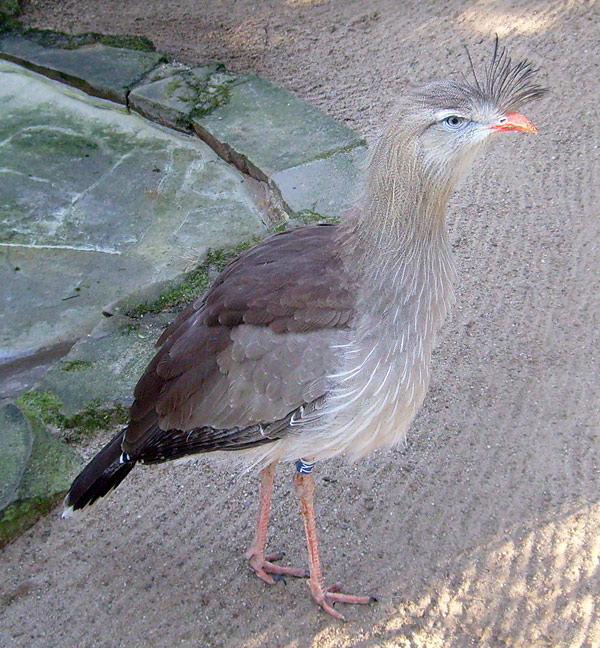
304, 467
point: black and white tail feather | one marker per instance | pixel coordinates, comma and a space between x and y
103, 474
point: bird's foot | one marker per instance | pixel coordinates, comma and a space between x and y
326, 595
264, 565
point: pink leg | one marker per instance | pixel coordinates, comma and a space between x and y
305, 486
260, 562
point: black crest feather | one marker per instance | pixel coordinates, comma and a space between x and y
506, 85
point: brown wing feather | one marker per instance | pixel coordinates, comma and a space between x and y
294, 280
291, 297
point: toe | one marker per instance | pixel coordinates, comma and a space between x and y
262, 574
330, 610
349, 598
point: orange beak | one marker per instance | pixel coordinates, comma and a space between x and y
514, 122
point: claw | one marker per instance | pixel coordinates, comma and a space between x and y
334, 613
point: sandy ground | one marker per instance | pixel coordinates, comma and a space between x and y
485, 529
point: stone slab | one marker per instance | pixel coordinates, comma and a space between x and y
40, 472
172, 100
95, 204
25, 370
104, 366
264, 129
327, 186
98, 69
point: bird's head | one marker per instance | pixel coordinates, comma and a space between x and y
447, 122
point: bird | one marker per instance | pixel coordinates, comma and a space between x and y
317, 342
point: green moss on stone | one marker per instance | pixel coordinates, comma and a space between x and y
194, 283
50, 469
74, 365
183, 122
130, 328
209, 100
220, 258
310, 217
208, 95
340, 151
45, 406
9, 10
175, 83
42, 406
95, 416
9, 23
48, 143
127, 41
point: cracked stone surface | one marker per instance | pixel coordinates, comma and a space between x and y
96, 204
101, 70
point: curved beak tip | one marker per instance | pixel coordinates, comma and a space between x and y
514, 122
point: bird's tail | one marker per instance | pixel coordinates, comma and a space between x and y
104, 472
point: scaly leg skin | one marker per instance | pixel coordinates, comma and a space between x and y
305, 486
263, 564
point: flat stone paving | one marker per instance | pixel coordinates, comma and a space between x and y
327, 185
271, 130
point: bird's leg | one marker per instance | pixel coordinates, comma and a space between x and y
261, 563
305, 486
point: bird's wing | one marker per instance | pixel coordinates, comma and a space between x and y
254, 350
291, 282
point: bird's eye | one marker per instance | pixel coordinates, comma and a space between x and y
453, 122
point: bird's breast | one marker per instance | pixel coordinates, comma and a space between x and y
376, 394
382, 373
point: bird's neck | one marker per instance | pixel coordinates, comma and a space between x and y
396, 242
